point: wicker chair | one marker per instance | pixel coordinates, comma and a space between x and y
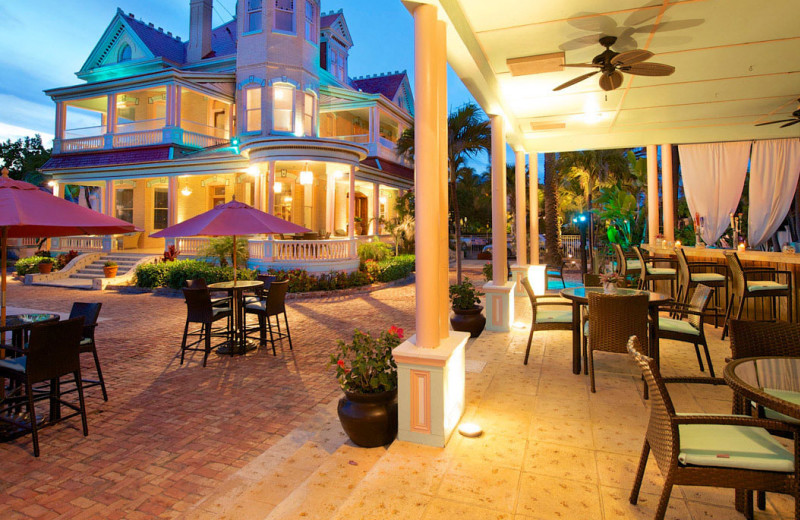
90, 312
691, 330
555, 272
650, 274
546, 319
627, 265
709, 274
731, 451
613, 319
746, 285
264, 310
199, 309
200, 283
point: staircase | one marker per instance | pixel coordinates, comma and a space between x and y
83, 277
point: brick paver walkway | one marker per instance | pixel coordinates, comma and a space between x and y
170, 434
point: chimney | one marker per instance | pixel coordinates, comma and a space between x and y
199, 30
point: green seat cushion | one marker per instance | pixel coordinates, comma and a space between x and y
551, 316
16, 364
660, 270
726, 446
679, 326
86, 341
765, 285
707, 277
786, 395
256, 306
634, 264
586, 329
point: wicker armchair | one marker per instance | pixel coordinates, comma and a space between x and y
691, 274
612, 320
731, 451
650, 274
555, 272
627, 264
546, 319
691, 330
749, 283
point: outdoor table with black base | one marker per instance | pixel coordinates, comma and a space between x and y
578, 296
236, 289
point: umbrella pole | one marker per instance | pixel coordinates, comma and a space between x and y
4, 260
234, 267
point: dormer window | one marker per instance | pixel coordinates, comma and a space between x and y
284, 16
253, 18
312, 33
339, 64
125, 53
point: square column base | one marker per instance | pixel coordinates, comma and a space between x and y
518, 272
499, 306
430, 389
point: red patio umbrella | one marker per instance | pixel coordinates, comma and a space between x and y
27, 211
231, 219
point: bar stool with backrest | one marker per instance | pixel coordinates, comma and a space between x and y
199, 309
267, 280
689, 278
546, 319
556, 272
691, 330
746, 284
613, 318
90, 312
200, 283
626, 266
650, 274
53, 352
264, 310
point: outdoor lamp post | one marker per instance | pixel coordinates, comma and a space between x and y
581, 222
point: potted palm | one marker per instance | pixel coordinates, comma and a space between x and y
367, 373
110, 269
45, 265
467, 315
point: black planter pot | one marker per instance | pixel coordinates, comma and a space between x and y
370, 420
470, 320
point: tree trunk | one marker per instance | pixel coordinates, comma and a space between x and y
456, 228
552, 229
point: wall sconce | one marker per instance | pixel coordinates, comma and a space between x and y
338, 175
186, 191
278, 188
306, 177
382, 200
51, 183
253, 170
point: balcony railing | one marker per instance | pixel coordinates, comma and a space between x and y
137, 134
141, 126
358, 138
301, 251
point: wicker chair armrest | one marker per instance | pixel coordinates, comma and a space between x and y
734, 420
696, 380
682, 310
652, 260
773, 272
706, 265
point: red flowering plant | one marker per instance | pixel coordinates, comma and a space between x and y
366, 365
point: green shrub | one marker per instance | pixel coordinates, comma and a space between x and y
30, 265
151, 275
377, 251
110, 263
221, 249
175, 274
487, 271
396, 268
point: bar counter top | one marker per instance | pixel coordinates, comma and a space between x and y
710, 252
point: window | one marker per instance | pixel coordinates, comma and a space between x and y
253, 18
284, 15
124, 204
160, 208
253, 109
217, 196
282, 107
308, 114
311, 24
125, 54
339, 64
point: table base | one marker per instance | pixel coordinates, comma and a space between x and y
238, 349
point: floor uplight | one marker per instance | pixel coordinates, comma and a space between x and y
469, 429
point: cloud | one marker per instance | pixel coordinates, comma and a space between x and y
17, 132
21, 113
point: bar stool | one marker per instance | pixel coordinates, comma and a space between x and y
651, 274
689, 279
626, 266
744, 287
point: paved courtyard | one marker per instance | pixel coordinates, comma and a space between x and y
257, 437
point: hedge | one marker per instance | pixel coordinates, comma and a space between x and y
175, 274
29, 265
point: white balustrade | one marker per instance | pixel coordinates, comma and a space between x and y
79, 243
310, 250
82, 143
144, 138
191, 245
201, 140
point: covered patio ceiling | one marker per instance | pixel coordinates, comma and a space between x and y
736, 65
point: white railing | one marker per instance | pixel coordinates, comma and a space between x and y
359, 138
141, 126
29, 241
82, 143
88, 243
201, 140
309, 250
200, 128
191, 245
570, 245
88, 131
143, 138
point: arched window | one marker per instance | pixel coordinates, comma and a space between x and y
125, 53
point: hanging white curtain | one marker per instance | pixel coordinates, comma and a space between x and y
774, 170
713, 178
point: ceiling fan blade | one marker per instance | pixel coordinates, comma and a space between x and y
631, 57
776, 122
583, 65
575, 80
790, 124
648, 69
612, 81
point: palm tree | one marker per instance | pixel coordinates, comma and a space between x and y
552, 229
468, 135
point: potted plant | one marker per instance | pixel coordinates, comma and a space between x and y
45, 265
367, 373
610, 282
467, 315
110, 269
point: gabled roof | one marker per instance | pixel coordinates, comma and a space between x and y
158, 42
387, 84
335, 24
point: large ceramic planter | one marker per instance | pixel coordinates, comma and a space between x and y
469, 320
45, 267
110, 272
370, 420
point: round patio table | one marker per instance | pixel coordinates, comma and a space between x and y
236, 290
18, 324
579, 296
770, 381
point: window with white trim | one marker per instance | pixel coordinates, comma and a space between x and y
308, 114
160, 208
253, 109
125, 54
311, 22
339, 64
284, 16
253, 15
282, 107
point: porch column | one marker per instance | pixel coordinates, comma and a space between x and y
520, 268
61, 119
270, 187
351, 211
533, 190
172, 197
258, 191
376, 208
56, 190
177, 108
668, 195
374, 124
444, 231
499, 299
430, 370
111, 114
652, 193
108, 200
169, 116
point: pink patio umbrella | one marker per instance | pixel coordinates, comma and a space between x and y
27, 211
230, 219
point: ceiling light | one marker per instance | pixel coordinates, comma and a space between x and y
306, 177
338, 175
186, 191
253, 170
287, 199
278, 188
382, 200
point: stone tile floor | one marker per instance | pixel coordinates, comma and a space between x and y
258, 437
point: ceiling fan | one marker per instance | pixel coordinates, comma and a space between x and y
612, 64
787, 122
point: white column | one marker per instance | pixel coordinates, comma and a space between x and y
376, 208
374, 124
351, 211
61, 119
444, 235
258, 191
270, 187
172, 197
667, 192
652, 193
108, 204
111, 114
177, 114
56, 189
330, 202
533, 189
519, 215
